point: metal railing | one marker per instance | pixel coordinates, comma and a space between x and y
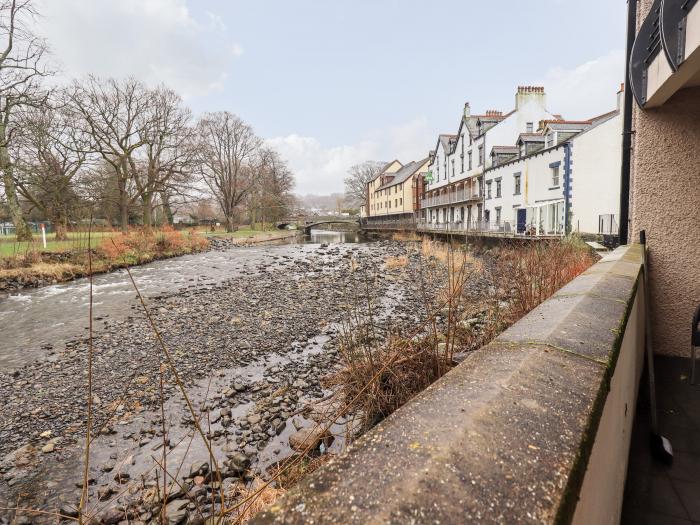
451, 198
505, 228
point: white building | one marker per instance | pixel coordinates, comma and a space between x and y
534, 166
454, 191
574, 166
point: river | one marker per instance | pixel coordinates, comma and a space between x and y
35, 322
251, 330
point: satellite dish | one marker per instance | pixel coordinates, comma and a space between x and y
647, 45
673, 26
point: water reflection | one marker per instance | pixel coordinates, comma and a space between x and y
327, 236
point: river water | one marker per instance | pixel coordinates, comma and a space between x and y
35, 322
38, 324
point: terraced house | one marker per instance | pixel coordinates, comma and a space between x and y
454, 191
393, 196
563, 178
513, 173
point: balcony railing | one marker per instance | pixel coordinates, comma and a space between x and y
505, 228
451, 198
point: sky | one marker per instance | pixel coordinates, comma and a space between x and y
332, 83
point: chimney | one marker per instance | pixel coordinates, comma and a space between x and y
528, 94
467, 110
621, 96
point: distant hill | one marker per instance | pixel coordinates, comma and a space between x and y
311, 202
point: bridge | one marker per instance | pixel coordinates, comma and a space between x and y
307, 223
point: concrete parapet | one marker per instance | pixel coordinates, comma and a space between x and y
532, 428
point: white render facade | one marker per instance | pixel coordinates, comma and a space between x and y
534, 170
455, 193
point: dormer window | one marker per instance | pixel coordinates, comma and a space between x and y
550, 139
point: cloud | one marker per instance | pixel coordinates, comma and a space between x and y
157, 41
320, 169
585, 90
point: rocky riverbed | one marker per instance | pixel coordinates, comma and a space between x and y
250, 352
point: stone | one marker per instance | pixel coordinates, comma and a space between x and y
309, 438
176, 511
48, 448
254, 419
111, 516
238, 462
199, 468
104, 493
68, 510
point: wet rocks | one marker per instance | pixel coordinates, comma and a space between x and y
266, 337
310, 438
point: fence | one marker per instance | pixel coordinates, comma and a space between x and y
505, 228
607, 225
450, 198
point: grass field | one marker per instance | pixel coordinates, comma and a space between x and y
76, 240
79, 240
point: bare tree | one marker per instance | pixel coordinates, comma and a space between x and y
357, 179
117, 115
21, 71
275, 183
226, 149
50, 152
168, 151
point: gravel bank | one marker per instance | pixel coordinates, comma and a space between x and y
250, 351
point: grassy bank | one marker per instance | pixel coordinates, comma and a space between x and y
76, 241
32, 266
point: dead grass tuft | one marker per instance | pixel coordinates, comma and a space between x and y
394, 262
405, 236
259, 494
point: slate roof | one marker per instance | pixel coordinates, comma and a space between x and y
505, 149
404, 173
530, 137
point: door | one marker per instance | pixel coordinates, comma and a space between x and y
522, 220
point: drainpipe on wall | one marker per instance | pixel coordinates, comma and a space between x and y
623, 231
567, 188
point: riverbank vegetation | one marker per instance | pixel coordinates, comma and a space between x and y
66, 260
382, 371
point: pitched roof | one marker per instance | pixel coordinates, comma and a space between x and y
384, 168
530, 137
405, 173
446, 141
505, 149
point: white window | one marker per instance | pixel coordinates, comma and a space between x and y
516, 182
470, 160
555, 175
488, 190
550, 140
481, 155
498, 215
529, 127
498, 188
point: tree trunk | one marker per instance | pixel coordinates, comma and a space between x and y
123, 208
22, 231
167, 210
60, 226
147, 199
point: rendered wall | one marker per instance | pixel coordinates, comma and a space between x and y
597, 156
665, 201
